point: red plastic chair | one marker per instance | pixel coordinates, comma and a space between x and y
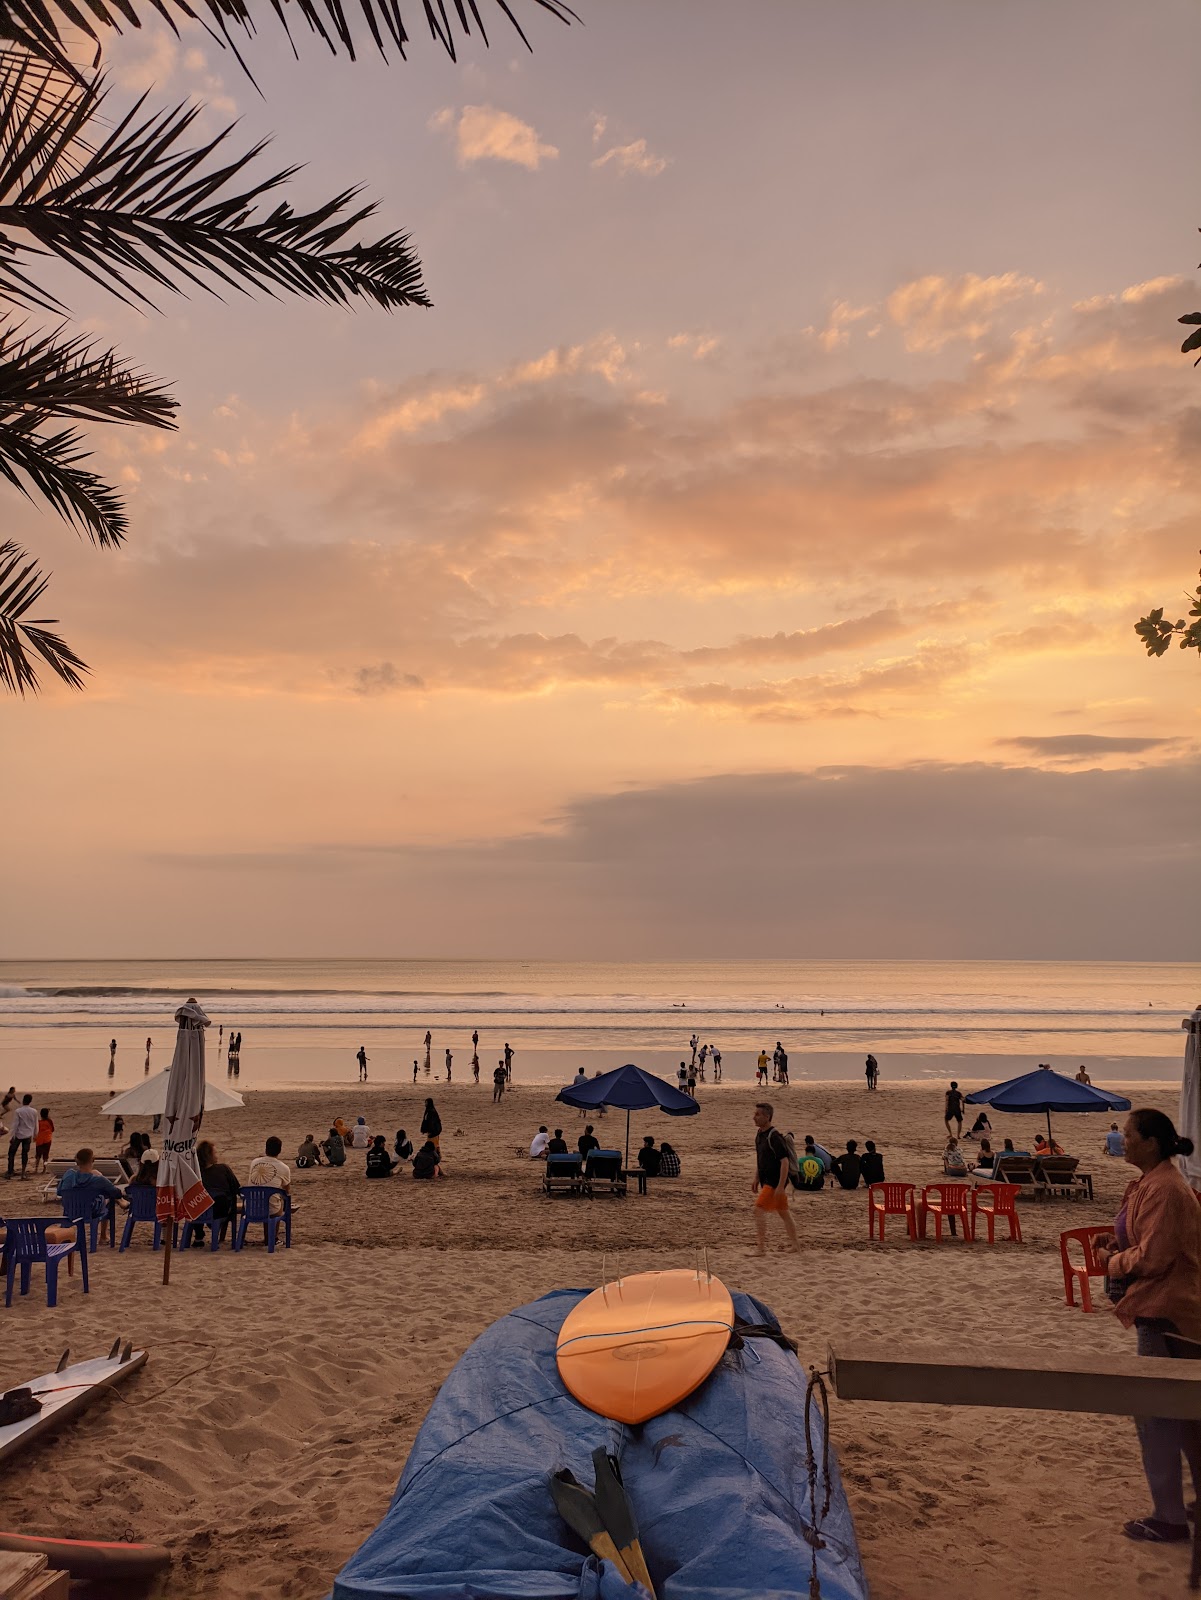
1002, 1202
948, 1200
890, 1200
1073, 1274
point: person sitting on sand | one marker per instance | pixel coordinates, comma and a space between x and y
81, 1187
848, 1168
649, 1158
871, 1164
403, 1146
360, 1135
539, 1143
426, 1163
343, 1130
979, 1129
812, 1148
270, 1172
558, 1145
379, 1163
669, 1161
954, 1162
985, 1160
587, 1141
308, 1155
1047, 1147
1115, 1141
335, 1148
222, 1185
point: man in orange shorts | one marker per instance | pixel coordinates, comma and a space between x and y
770, 1187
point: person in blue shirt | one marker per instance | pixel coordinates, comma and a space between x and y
1115, 1141
81, 1187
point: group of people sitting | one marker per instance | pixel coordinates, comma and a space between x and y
381, 1162
656, 1161
960, 1162
814, 1163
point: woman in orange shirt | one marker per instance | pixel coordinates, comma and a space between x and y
41, 1141
1153, 1266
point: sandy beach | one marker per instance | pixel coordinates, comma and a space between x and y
266, 1434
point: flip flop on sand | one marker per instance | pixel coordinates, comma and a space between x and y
1152, 1531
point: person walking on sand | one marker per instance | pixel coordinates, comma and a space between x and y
362, 1058
953, 1109
475, 1062
42, 1141
498, 1083
715, 1055
782, 1065
112, 1056
761, 1068
692, 1081
149, 1042
681, 1076
24, 1131
770, 1187
449, 1060
871, 1070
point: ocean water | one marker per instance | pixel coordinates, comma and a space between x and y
302, 1021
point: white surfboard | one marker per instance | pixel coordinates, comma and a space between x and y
66, 1392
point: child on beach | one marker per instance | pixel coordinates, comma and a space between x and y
41, 1141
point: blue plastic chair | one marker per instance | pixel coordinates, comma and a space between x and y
142, 1203
92, 1212
204, 1220
256, 1209
26, 1245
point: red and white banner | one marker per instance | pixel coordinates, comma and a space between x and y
181, 1194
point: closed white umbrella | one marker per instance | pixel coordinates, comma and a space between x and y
1190, 1099
149, 1098
181, 1193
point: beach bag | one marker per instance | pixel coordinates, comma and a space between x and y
794, 1166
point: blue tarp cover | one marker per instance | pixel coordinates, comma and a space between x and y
719, 1485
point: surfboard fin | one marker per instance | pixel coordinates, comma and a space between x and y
579, 1511
617, 1514
127, 1351
63, 1361
116, 1349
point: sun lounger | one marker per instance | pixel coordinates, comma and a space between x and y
603, 1174
1017, 1169
107, 1166
1058, 1175
563, 1175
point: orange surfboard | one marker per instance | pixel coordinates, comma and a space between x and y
640, 1345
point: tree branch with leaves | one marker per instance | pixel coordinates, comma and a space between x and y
138, 209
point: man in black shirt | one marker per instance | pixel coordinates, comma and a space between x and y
587, 1141
953, 1109
649, 1158
847, 1168
558, 1145
770, 1187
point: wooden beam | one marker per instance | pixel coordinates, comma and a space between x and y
1124, 1386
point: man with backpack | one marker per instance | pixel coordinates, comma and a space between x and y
770, 1187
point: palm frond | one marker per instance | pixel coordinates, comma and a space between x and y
24, 640
52, 463
141, 205
46, 375
37, 25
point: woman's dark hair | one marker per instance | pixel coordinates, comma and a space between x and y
146, 1176
206, 1156
379, 1141
1159, 1128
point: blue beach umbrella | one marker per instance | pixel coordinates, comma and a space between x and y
1046, 1091
629, 1088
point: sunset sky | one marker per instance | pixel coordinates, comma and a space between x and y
740, 558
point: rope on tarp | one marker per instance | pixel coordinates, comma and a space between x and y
817, 1394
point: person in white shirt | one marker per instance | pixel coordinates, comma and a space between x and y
25, 1126
360, 1135
538, 1145
269, 1171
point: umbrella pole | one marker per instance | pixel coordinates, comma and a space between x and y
168, 1230
627, 1138
1050, 1138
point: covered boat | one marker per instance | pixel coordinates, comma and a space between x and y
719, 1483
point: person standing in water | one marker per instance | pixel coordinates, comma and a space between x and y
508, 1063
449, 1059
715, 1057
414, 1069
871, 1071
112, 1057
362, 1058
149, 1042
